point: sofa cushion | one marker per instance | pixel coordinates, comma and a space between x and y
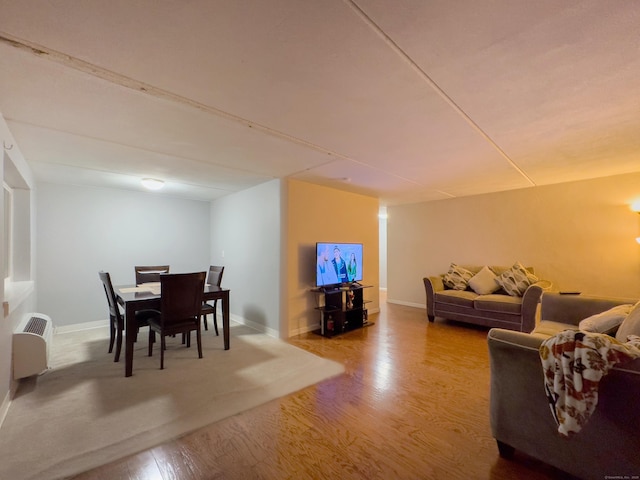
463, 298
549, 328
607, 321
630, 325
484, 282
498, 303
457, 278
516, 280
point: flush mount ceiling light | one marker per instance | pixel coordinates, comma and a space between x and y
152, 183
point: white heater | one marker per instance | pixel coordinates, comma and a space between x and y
31, 344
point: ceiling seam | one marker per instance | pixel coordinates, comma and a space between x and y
397, 49
136, 85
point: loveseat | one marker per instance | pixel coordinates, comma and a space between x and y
452, 296
608, 445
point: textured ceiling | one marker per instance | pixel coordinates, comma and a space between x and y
409, 100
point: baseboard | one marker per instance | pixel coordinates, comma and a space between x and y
407, 304
248, 323
4, 408
81, 326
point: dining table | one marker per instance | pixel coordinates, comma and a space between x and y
134, 298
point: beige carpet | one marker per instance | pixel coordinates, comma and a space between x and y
84, 412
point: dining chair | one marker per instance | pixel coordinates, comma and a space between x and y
180, 307
149, 273
116, 318
214, 278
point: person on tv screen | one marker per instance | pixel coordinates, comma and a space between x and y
326, 274
339, 265
352, 267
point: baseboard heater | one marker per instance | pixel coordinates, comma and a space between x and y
31, 345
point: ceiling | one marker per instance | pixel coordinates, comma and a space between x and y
405, 100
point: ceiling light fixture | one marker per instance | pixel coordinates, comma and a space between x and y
152, 183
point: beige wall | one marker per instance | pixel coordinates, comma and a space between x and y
580, 235
320, 214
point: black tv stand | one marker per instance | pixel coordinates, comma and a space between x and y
343, 308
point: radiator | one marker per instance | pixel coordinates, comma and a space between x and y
31, 344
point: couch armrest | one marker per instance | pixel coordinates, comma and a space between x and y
530, 300
520, 417
571, 309
432, 285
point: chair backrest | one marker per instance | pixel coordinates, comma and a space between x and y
114, 311
181, 296
215, 275
149, 273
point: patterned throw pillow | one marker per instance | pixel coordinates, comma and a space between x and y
457, 278
516, 280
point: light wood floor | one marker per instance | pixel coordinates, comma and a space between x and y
413, 404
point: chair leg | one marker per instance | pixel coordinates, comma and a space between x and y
188, 334
215, 317
162, 348
199, 340
152, 339
206, 326
116, 358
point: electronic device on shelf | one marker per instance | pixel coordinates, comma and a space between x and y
338, 264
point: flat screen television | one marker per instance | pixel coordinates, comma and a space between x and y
338, 263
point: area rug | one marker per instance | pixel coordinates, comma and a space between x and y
84, 413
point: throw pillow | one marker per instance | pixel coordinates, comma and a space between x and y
630, 325
484, 282
516, 280
457, 278
606, 322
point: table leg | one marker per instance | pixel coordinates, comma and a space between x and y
130, 335
225, 319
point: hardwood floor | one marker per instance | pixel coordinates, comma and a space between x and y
413, 404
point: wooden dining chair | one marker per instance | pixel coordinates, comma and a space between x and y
180, 307
149, 273
116, 318
214, 278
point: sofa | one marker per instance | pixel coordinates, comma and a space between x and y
490, 305
608, 445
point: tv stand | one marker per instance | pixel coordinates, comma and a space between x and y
342, 308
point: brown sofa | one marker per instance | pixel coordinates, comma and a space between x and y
609, 444
494, 310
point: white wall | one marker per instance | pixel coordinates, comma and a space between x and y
82, 230
580, 235
246, 240
20, 301
316, 213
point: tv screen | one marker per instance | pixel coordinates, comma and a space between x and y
338, 263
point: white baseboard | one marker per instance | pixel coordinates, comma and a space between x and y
81, 326
4, 408
407, 304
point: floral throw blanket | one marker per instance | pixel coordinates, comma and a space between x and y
574, 362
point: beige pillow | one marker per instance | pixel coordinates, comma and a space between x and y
606, 322
630, 325
484, 282
457, 277
516, 280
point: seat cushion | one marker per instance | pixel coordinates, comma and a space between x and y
499, 303
548, 328
463, 298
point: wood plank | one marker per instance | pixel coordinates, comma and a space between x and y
413, 404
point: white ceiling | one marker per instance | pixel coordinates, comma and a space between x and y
406, 100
